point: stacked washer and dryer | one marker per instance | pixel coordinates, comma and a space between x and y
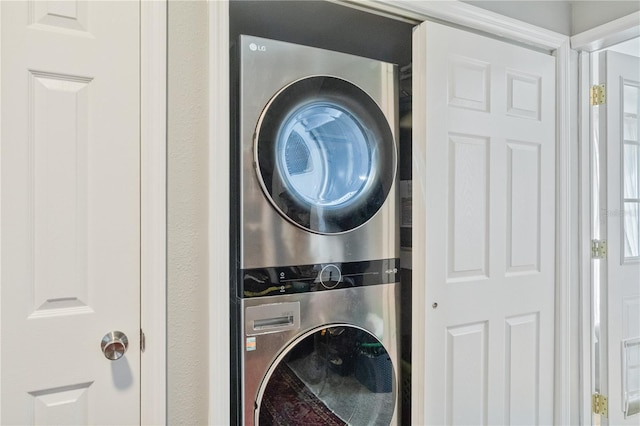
316, 275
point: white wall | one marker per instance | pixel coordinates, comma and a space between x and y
187, 293
552, 15
590, 14
564, 17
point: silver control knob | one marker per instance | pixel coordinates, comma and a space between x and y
330, 276
114, 344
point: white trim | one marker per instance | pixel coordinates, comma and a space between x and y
584, 191
219, 180
1, 210
381, 9
608, 34
563, 356
419, 224
153, 119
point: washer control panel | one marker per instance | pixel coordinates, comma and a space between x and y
259, 282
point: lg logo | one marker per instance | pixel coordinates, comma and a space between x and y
255, 48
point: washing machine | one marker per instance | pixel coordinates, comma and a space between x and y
324, 358
316, 244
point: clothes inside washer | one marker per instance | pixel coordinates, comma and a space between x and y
344, 371
291, 402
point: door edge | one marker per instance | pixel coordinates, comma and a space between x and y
153, 211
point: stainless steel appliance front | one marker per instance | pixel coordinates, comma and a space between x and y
318, 156
349, 336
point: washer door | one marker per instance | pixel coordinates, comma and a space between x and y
332, 376
325, 155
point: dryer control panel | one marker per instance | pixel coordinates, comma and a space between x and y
277, 280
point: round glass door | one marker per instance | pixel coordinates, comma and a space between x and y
325, 154
335, 376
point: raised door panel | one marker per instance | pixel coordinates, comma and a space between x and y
522, 368
523, 207
468, 239
58, 203
466, 384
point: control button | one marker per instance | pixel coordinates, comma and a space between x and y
330, 276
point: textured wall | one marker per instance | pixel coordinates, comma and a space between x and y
187, 292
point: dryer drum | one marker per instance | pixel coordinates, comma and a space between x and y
325, 154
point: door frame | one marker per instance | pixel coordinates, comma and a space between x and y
585, 43
219, 226
153, 211
451, 12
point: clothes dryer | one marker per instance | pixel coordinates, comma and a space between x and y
317, 156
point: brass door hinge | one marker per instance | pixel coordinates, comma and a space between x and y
598, 94
599, 404
598, 249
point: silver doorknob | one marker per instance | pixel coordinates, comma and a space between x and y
114, 344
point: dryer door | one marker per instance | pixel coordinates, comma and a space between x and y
332, 376
325, 155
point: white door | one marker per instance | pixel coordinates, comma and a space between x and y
486, 185
70, 216
620, 315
